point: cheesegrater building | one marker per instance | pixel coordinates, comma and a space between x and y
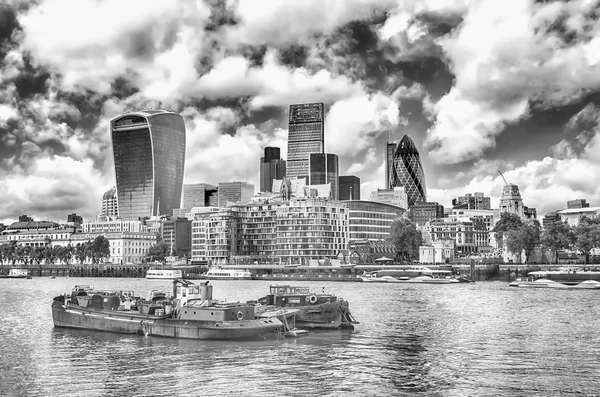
306, 136
149, 156
408, 172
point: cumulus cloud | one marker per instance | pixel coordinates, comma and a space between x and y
507, 57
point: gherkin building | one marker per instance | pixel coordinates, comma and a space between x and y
408, 171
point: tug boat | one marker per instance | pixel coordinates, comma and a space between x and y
190, 313
310, 310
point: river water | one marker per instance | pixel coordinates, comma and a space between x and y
481, 339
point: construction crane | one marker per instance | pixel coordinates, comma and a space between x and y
505, 182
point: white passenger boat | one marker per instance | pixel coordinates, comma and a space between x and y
223, 273
425, 276
166, 274
547, 283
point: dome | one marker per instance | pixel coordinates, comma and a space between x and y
110, 194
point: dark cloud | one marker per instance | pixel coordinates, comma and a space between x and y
8, 25
293, 56
220, 15
32, 80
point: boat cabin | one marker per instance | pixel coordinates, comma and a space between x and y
288, 295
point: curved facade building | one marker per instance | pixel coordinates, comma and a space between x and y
408, 171
149, 155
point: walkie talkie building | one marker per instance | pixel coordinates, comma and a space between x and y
149, 155
408, 171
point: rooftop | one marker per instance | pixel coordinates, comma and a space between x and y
579, 210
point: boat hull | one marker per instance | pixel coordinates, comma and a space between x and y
71, 316
546, 283
330, 315
415, 280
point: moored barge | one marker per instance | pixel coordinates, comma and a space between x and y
190, 314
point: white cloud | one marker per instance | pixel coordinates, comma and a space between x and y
504, 57
7, 113
52, 187
282, 22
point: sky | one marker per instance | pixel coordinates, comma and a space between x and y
480, 87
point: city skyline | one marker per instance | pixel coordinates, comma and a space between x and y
522, 97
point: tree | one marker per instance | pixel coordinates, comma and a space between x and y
507, 222
406, 238
99, 249
80, 251
557, 236
8, 251
65, 254
587, 236
524, 238
38, 254
158, 252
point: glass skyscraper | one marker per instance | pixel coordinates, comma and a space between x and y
271, 167
324, 169
390, 152
306, 136
149, 155
408, 171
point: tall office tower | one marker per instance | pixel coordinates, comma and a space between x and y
305, 136
408, 171
323, 169
349, 187
390, 151
197, 195
149, 154
234, 192
271, 167
110, 209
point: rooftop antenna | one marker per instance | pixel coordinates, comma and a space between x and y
503, 177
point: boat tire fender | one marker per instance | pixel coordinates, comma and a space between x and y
240, 315
312, 299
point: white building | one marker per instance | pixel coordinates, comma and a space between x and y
572, 216
111, 225
396, 196
438, 252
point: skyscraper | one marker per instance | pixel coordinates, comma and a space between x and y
149, 155
271, 167
110, 208
305, 136
234, 192
323, 169
408, 171
197, 195
349, 187
390, 151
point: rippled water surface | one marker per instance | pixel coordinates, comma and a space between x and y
482, 339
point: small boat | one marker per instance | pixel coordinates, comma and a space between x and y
18, 273
223, 273
311, 310
190, 313
164, 274
547, 283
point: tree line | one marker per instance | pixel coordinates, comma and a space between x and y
96, 250
557, 236
513, 233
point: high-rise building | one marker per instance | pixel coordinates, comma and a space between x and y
578, 203
390, 151
149, 155
408, 171
323, 169
349, 187
306, 136
110, 209
473, 202
234, 192
271, 167
197, 195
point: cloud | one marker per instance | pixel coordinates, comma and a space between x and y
507, 57
280, 22
52, 187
